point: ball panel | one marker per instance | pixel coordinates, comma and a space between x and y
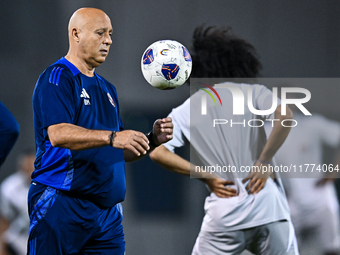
170, 71
186, 54
148, 57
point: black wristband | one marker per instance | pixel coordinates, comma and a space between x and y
112, 136
150, 138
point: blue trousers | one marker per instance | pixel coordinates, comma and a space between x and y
65, 225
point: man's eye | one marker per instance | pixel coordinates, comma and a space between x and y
100, 33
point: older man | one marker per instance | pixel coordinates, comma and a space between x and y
79, 177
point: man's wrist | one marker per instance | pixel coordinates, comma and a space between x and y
150, 137
112, 137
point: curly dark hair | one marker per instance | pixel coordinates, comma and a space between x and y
218, 53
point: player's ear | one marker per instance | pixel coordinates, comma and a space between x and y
75, 33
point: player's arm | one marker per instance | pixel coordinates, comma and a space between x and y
161, 133
9, 132
170, 161
278, 135
330, 176
74, 137
177, 164
135, 144
329, 135
274, 142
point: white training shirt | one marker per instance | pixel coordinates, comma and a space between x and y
13, 199
237, 146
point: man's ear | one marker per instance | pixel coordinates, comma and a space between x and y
75, 33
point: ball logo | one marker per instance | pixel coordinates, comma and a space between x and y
164, 52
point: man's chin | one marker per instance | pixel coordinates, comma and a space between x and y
100, 60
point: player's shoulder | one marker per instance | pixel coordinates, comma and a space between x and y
255, 88
57, 72
56, 77
240, 86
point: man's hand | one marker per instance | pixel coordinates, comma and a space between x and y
220, 188
258, 178
133, 141
329, 176
162, 130
321, 182
138, 143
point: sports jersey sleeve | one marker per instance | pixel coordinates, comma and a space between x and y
9, 132
57, 103
264, 99
177, 136
181, 129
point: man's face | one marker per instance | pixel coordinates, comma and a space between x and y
95, 40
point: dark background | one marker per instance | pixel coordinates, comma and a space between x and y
295, 39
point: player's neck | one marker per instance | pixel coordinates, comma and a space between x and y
82, 66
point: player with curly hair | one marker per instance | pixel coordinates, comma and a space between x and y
245, 211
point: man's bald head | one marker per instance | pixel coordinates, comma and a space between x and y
89, 33
85, 16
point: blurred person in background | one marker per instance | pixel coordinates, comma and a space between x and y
9, 132
13, 210
312, 197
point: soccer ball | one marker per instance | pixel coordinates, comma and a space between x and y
166, 64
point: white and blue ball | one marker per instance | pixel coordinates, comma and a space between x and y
166, 64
